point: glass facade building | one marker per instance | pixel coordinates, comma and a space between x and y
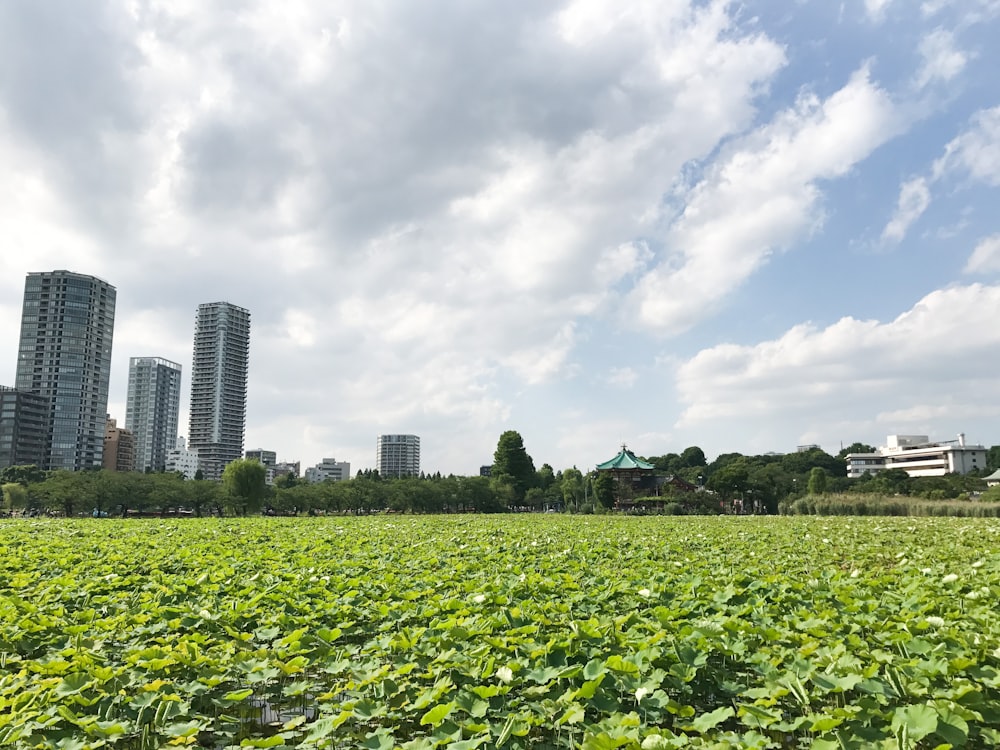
219, 385
23, 417
67, 324
151, 409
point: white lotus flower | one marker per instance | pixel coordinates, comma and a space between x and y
935, 621
644, 592
505, 675
479, 598
950, 578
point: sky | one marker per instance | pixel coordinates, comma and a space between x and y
744, 226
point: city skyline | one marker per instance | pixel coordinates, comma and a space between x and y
743, 226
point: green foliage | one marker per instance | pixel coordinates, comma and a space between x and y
572, 488
545, 477
817, 481
604, 489
512, 465
517, 632
245, 481
693, 457
15, 496
23, 475
731, 480
891, 505
805, 461
855, 448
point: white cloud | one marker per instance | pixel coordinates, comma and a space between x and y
942, 351
876, 9
759, 197
975, 152
925, 415
941, 60
622, 377
986, 257
970, 11
434, 212
914, 197
413, 203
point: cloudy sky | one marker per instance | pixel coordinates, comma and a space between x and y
744, 226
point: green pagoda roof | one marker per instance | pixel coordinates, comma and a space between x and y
625, 459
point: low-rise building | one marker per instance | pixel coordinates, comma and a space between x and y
119, 447
268, 458
281, 469
329, 469
919, 457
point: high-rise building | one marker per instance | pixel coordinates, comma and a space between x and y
23, 417
67, 324
152, 408
219, 385
119, 447
397, 455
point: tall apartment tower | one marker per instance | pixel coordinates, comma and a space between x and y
152, 408
397, 455
219, 385
67, 324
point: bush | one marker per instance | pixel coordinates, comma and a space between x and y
879, 505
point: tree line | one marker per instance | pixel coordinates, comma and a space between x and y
760, 483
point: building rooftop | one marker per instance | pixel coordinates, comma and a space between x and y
625, 459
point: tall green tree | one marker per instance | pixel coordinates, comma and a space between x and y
604, 489
201, 494
693, 456
245, 482
817, 481
512, 465
546, 477
572, 488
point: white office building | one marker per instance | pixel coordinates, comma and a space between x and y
919, 457
183, 460
329, 469
397, 455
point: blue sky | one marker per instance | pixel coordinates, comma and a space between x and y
743, 226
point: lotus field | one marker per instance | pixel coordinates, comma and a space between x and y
500, 631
